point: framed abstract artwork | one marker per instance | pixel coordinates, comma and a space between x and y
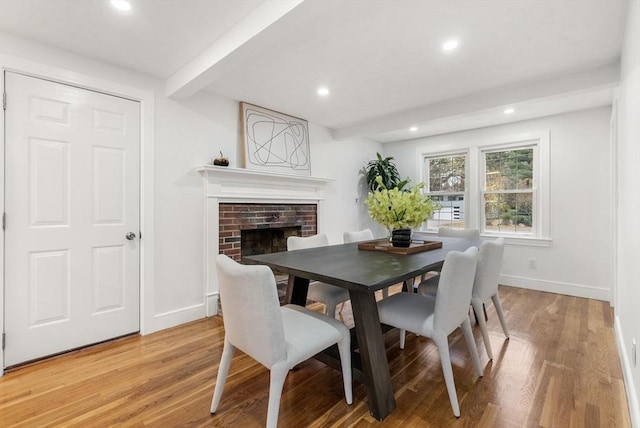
274, 142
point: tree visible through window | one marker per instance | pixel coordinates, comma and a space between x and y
509, 191
446, 184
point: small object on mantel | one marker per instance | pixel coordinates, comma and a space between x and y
221, 161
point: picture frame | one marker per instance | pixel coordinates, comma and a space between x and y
274, 141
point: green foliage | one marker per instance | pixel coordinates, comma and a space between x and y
510, 170
395, 208
509, 209
386, 170
447, 174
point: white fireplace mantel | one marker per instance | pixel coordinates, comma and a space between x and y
235, 185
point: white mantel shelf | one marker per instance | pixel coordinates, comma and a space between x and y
245, 184
224, 171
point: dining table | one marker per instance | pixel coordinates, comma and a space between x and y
362, 272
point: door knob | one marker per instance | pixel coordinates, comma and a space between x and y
130, 236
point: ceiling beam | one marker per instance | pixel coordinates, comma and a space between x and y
571, 92
234, 48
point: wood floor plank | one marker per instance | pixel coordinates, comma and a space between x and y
559, 368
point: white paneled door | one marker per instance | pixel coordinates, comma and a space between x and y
72, 218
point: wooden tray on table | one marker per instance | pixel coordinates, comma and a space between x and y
385, 245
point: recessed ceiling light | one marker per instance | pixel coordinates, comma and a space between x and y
509, 110
413, 129
121, 4
323, 91
450, 45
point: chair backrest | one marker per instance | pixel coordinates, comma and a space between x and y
454, 289
488, 270
251, 310
303, 242
361, 235
459, 233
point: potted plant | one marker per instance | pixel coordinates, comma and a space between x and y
386, 170
399, 210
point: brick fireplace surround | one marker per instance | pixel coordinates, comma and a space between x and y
238, 217
238, 199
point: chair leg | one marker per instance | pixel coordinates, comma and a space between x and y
477, 305
403, 333
471, 344
223, 371
330, 309
385, 293
475, 315
277, 376
445, 361
344, 348
498, 304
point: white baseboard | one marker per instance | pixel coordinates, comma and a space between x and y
577, 290
632, 397
183, 315
177, 317
212, 304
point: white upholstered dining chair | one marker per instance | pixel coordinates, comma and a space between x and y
318, 291
459, 233
357, 236
485, 288
438, 318
429, 280
277, 337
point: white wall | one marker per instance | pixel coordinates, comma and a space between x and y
187, 134
343, 162
576, 261
628, 268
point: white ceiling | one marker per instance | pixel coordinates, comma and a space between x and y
381, 59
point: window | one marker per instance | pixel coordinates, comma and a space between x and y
508, 196
499, 185
445, 180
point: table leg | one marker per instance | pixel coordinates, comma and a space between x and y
407, 285
375, 366
297, 289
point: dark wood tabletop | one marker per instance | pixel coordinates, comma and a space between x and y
347, 266
362, 272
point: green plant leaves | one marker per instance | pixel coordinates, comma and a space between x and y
395, 208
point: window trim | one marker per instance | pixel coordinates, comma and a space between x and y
535, 226
540, 141
473, 189
425, 178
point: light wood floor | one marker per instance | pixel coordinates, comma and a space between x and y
559, 369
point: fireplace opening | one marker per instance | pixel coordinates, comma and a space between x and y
270, 240
264, 241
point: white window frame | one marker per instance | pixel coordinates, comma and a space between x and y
426, 180
474, 210
533, 191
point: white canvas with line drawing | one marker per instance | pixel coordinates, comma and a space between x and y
274, 142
